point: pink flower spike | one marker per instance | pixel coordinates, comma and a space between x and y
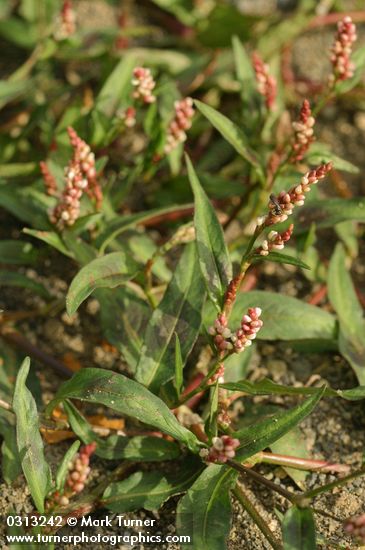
143, 83
343, 67
222, 449
176, 132
282, 206
303, 133
266, 83
66, 21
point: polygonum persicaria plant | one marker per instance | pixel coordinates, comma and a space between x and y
173, 288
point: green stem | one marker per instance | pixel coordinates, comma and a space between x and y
329, 486
243, 498
293, 498
203, 384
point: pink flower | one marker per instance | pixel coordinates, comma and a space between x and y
266, 83
236, 342
66, 22
275, 241
176, 132
223, 448
343, 67
281, 206
49, 180
303, 129
143, 83
79, 471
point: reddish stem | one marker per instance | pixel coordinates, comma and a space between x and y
318, 295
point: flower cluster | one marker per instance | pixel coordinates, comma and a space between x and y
66, 22
144, 84
129, 117
49, 180
356, 527
218, 375
67, 211
224, 339
303, 132
80, 177
176, 132
266, 83
282, 206
275, 241
79, 471
222, 449
86, 160
343, 67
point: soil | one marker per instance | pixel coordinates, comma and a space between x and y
335, 431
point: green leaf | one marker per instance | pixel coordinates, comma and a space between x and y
284, 317
320, 152
63, 469
268, 387
18, 170
17, 252
230, 132
293, 443
127, 397
279, 258
179, 366
343, 298
245, 72
257, 437
204, 513
124, 317
358, 58
108, 271
118, 225
299, 531
179, 312
10, 463
329, 212
214, 259
29, 440
115, 86
149, 490
139, 448
51, 238
11, 278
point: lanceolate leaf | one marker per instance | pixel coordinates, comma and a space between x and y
214, 259
204, 513
17, 252
179, 313
138, 448
118, 225
125, 396
261, 435
10, 463
124, 317
229, 131
29, 440
51, 238
329, 212
12, 278
299, 530
149, 490
115, 86
109, 271
63, 467
280, 259
245, 72
268, 387
179, 366
352, 324
284, 317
